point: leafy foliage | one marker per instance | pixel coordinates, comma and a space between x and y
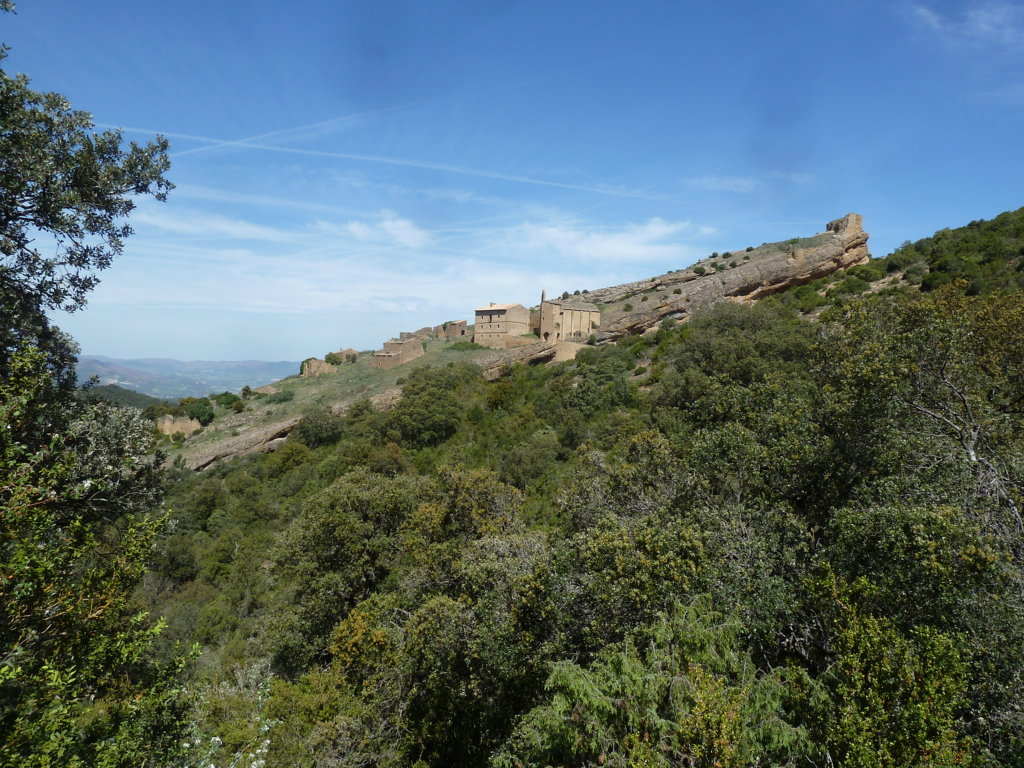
745, 540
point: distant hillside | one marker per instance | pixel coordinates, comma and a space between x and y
120, 396
162, 377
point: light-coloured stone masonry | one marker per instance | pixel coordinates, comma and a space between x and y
178, 425
397, 352
496, 323
567, 320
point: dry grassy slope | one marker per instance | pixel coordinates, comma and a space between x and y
628, 308
263, 422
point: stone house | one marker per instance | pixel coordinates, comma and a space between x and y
397, 352
497, 324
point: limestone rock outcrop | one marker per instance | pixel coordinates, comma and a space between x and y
758, 273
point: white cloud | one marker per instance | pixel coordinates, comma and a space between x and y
988, 23
186, 222
389, 228
647, 242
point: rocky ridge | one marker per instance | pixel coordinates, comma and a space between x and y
758, 273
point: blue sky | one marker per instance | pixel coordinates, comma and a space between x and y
348, 170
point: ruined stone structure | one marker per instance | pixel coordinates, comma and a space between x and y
566, 319
422, 333
347, 354
178, 425
397, 352
454, 329
497, 323
314, 366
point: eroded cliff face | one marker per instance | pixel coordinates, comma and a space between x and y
758, 273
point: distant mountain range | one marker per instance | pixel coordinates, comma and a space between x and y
163, 377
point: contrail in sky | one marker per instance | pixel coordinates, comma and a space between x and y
443, 167
322, 123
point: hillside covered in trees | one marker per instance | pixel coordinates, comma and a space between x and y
785, 533
750, 539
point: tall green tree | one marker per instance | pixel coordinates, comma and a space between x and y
77, 481
66, 195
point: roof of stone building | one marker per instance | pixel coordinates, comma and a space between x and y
499, 306
582, 306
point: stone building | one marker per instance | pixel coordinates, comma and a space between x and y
454, 329
397, 352
497, 324
566, 319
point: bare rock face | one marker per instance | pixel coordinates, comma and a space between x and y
758, 273
259, 438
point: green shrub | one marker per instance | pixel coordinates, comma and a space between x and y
934, 280
226, 399
627, 307
750, 248
466, 346
281, 397
201, 411
870, 272
677, 291
700, 269
333, 358
316, 428
851, 285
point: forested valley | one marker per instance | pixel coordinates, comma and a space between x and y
781, 534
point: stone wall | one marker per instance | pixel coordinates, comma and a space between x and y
397, 352
455, 329
178, 425
315, 366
